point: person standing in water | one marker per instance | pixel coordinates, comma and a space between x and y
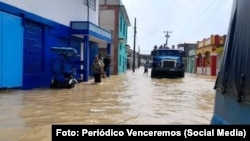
107, 61
97, 67
101, 61
146, 66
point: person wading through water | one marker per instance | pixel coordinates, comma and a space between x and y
146, 66
97, 68
101, 60
106, 65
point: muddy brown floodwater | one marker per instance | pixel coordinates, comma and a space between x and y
132, 98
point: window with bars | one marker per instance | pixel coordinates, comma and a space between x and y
90, 3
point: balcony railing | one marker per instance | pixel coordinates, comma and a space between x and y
88, 26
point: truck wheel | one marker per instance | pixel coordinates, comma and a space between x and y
153, 75
182, 74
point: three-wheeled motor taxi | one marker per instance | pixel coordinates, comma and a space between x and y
63, 69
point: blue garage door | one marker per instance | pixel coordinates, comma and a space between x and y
33, 48
11, 51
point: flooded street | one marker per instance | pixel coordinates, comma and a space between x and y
132, 98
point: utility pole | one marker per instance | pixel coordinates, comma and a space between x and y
167, 36
134, 46
139, 58
88, 10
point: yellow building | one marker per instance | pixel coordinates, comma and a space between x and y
209, 55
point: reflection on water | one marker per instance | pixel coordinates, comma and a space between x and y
132, 98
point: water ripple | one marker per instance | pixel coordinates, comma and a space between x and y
132, 98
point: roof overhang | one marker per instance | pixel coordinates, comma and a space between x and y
97, 34
125, 14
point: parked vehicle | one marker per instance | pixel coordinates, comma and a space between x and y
167, 62
63, 71
232, 99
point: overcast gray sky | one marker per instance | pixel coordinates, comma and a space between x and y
189, 20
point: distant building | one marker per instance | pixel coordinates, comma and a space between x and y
188, 56
209, 55
191, 61
130, 58
144, 58
113, 17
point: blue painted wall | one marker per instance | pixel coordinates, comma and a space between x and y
1, 48
39, 35
93, 52
122, 53
76, 44
38, 39
228, 111
11, 51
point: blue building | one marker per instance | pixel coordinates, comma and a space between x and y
113, 17
28, 31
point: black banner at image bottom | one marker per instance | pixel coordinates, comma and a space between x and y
78, 132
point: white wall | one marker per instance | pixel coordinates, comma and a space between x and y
110, 2
107, 19
62, 11
107, 22
219, 60
130, 59
199, 70
208, 70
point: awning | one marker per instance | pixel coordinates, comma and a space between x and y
85, 28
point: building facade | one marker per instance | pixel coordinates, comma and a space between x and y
191, 65
130, 58
39, 25
209, 55
188, 56
113, 17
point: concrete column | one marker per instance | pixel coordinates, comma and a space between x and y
108, 53
86, 59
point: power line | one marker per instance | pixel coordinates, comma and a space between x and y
208, 20
148, 33
197, 6
201, 25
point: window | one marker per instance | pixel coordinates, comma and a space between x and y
120, 60
124, 29
121, 23
169, 53
92, 4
